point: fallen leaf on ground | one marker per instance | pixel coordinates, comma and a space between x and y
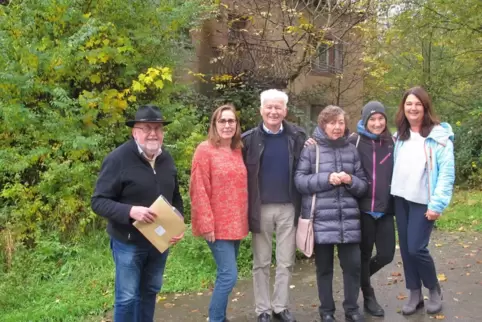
292, 286
438, 245
396, 274
401, 296
442, 277
425, 297
169, 305
199, 293
234, 300
160, 298
440, 317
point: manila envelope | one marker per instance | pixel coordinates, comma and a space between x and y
168, 223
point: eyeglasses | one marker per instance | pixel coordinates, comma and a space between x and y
147, 130
230, 122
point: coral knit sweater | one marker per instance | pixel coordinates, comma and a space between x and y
219, 192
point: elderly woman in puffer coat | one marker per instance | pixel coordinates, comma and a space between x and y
336, 219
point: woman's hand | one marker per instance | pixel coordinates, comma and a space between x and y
432, 215
209, 237
309, 142
334, 179
345, 178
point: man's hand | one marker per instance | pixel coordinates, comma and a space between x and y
142, 214
310, 141
174, 240
345, 178
334, 179
209, 237
432, 215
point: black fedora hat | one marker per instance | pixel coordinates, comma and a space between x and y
148, 113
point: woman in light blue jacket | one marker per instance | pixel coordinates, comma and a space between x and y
422, 184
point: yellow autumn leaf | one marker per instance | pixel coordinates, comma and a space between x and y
153, 71
138, 87
442, 277
159, 84
148, 80
132, 98
95, 79
440, 317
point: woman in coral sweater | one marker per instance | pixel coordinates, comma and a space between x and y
219, 202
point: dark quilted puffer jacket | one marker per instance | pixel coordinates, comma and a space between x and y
337, 217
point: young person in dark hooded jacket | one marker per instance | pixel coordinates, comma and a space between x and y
375, 146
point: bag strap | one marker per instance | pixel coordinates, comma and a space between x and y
357, 141
317, 166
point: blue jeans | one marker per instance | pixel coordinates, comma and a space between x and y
225, 253
138, 278
414, 231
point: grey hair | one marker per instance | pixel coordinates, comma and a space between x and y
274, 95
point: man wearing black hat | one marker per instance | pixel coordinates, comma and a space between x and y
131, 178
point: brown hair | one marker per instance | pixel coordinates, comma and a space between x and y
330, 113
213, 136
429, 117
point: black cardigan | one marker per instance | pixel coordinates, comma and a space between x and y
127, 179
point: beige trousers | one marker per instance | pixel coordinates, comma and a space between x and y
279, 219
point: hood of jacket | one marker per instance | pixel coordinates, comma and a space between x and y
322, 138
363, 131
442, 133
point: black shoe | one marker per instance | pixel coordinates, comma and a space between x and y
328, 318
284, 316
354, 317
264, 317
370, 303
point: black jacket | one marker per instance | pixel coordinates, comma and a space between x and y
127, 179
337, 217
253, 141
377, 161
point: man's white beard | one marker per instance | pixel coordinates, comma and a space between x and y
151, 147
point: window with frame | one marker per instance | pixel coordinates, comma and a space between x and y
329, 59
235, 28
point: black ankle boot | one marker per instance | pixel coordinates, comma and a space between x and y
370, 302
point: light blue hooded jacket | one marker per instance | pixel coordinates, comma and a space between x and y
439, 154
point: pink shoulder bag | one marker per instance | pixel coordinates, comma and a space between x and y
305, 238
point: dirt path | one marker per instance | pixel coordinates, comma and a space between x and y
458, 257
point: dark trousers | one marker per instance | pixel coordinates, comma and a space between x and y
380, 233
349, 255
414, 231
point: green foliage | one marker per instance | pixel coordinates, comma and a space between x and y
70, 74
468, 150
464, 212
59, 282
435, 44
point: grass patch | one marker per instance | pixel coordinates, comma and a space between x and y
464, 212
75, 282
58, 282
